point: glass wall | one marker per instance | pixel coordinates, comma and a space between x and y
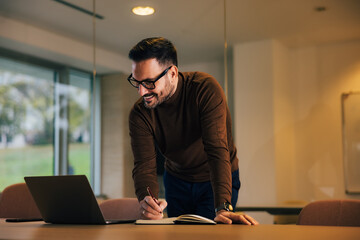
79, 97
37, 105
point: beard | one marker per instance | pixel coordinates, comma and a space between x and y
154, 103
159, 99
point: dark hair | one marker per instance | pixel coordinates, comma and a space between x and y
156, 47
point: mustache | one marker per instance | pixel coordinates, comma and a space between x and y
149, 95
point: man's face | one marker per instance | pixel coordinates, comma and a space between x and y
165, 87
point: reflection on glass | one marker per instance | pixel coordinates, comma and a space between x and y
351, 140
26, 121
79, 97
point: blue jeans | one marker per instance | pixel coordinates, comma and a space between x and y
185, 197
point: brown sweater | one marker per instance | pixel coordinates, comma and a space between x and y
192, 129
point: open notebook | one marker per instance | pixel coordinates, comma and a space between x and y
182, 219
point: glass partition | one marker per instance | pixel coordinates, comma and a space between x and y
36, 104
79, 94
26, 121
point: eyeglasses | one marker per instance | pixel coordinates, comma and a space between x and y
149, 84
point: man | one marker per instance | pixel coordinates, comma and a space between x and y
184, 116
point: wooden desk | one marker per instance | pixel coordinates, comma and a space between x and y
273, 210
42, 231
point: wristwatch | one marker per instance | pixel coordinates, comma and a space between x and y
225, 206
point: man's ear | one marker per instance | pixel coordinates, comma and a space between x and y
174, 71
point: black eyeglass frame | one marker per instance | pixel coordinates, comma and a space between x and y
148, 84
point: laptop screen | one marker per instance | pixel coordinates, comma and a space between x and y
65, 199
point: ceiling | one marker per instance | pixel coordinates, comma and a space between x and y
196, 27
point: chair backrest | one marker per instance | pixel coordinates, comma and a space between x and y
331, 213
289, 218
17, 202
120, 208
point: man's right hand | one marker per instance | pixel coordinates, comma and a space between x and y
149, 209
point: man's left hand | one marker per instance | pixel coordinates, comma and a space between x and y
230, 217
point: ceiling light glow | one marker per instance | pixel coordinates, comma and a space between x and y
143, 11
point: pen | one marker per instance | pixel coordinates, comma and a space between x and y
150, 193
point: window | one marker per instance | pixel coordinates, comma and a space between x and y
45, 121
79, 96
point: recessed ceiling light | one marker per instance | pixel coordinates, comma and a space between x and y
143, 11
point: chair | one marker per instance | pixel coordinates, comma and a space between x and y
331, 213
17, 202
120, 208
289, 218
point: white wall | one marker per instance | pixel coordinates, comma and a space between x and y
253, 122
283, 95
117, 98
287, 118
215, 68
321, 74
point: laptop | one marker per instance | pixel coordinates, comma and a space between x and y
67, 200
